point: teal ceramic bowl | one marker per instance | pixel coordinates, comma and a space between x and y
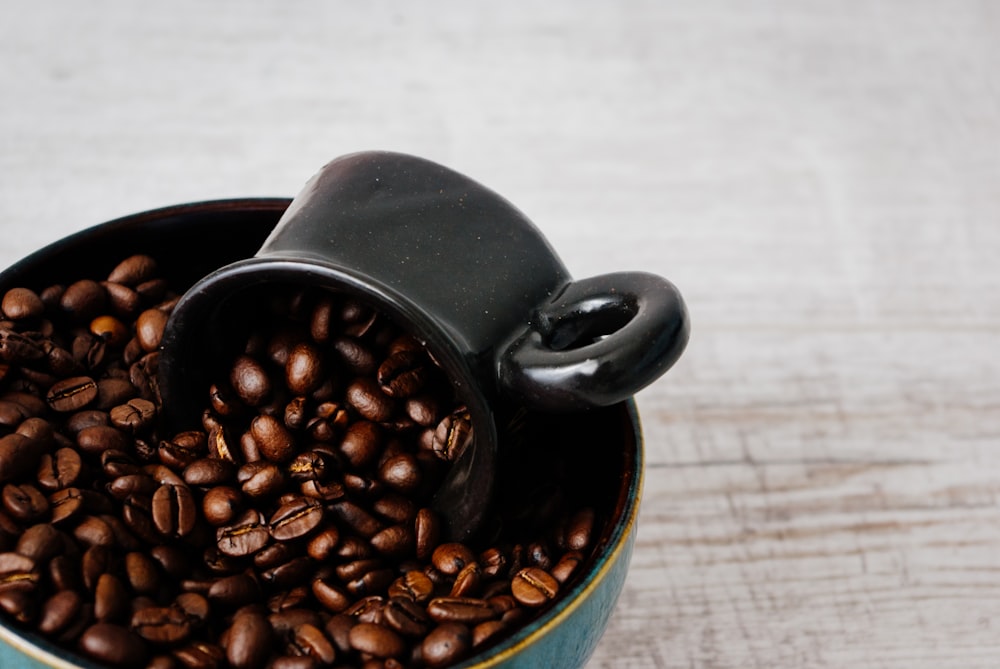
604, 445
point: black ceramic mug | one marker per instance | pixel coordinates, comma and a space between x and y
464, 271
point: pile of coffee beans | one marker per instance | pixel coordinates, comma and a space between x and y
293, 529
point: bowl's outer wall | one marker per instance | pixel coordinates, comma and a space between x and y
562, 638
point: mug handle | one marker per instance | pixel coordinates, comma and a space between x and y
597, 342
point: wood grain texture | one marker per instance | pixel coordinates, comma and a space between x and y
819, 179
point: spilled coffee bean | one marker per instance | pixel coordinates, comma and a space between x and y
294, 530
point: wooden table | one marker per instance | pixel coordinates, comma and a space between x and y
821, 180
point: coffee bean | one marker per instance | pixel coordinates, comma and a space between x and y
376, 640
249, 641
22, 304
149, 328
311, 642
468, 581
206, 472
395, 541
123, 300
288, 574
366, 397
111, 599
40, 543
134, 416
24, 502
296, 519
84, 299
273, 439
285, 620
403, 374
466, 610
260, 479
250, 381
18, 455
235, 591
293, 662
221, 504
357, 518
534, 587
401, 472
59, 611
162, 625
304, 368
183, 449
99, 438
142, 573
59, 470
174, 510
355, 356
486, 632
331, 596
93, 531
114, 645
72, 394
452, 436
451, 558
427, 531
407, 617
18, 572
446, 644
66, 504
134, 270
361, 444
244, 537
110, 329
200, 655
123, 487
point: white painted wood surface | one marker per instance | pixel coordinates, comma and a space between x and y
821, 180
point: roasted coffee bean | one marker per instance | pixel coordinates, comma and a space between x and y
376, 640
137, 512
291, 573
244, 537
330, 595
273, 439
134, 270
404, 373
401, 472
110, 329
200, 655
407, 617
114, 645
149, 328
534, 587
323, 543
24, 502
119, 463
361, 444
296, 519
293, 662
250, 381
304, 368
221, 504
467, 581
174, 510
357, 518
427, 531
111, 599
371, 583
446, 644
235, 591
18, 572
83, 299
486, 632
162, 625
452, 436
72, 394
209, 472
260, 479
18, 455
142, 573
40, 542
580, 529
99, 438
183, 449
94, 531
64, 573
249, 641
123, 300
466, 610
451, 558
22, 304
66, 504
413, 585
59, 611
285, 620
16, 348
59, 469
568, 566
11, 414
133, 416
355, 356
311, 642
395, 541
132, 484
163, 475
366, 397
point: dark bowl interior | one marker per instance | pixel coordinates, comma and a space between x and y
594, 457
